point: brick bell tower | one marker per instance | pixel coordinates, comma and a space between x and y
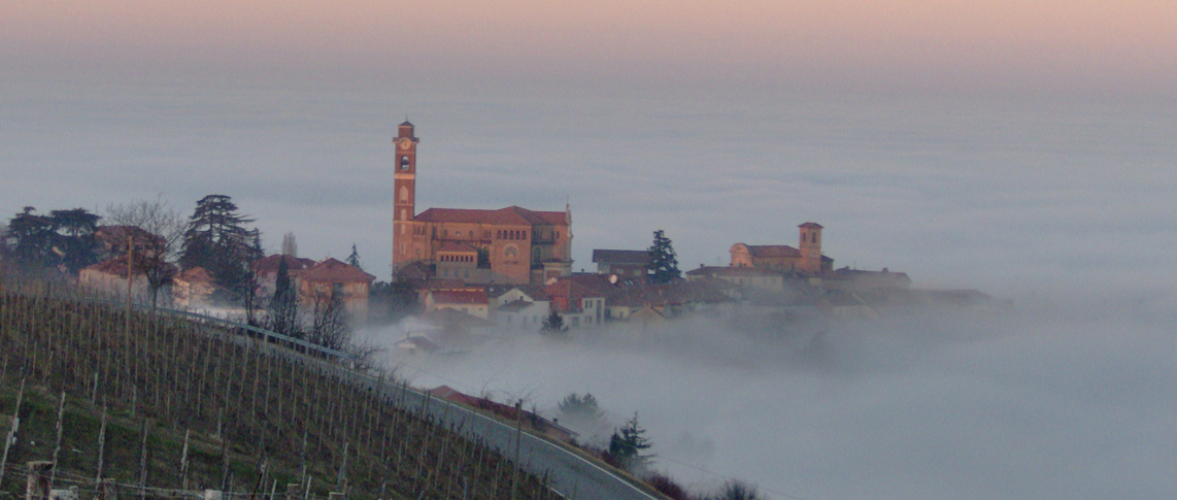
405, 191
810, 247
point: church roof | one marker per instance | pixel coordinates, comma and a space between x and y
510, 216
811, 225
770, 251
406, 124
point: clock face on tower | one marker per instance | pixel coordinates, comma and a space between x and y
405, 143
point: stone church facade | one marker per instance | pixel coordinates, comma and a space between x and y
511, 245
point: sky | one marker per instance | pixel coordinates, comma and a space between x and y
1027, 149
1011, 146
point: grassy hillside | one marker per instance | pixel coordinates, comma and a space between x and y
244, 404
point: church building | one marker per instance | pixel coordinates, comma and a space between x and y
807, 258
511, 245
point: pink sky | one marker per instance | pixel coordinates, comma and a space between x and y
1082, 42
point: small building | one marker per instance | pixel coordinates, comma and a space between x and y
416, 343
472, 302
110, 278
322, 281
193, 289
523, 314
625, 264
266, 270
114, 241
577, 301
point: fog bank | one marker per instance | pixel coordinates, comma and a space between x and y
1047, 399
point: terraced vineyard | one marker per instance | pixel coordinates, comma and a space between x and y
191, 406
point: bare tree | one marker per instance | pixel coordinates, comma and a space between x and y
330, 327
154, 230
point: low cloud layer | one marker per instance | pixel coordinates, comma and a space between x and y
999, 194
1047, 399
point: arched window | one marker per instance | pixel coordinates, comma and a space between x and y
404, 163
511, 251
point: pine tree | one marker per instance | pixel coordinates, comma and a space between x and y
353, 260
581, 411
627, 444
284, 304
62, 239
218, 241
663, 266
553, 324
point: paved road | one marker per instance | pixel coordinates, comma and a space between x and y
568, 474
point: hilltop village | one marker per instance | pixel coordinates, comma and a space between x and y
511, 268
456, 271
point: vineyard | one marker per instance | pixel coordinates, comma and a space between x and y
160, 405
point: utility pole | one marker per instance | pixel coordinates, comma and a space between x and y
518, 439
130, 258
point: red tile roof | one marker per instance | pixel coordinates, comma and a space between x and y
571, 289
515, 306
195, 275
771, 251
118, 267
117, 235
459, 297
269, 264
334, 271
510, 216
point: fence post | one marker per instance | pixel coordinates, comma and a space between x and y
37, 484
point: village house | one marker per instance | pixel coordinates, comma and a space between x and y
472, 302
114, 241
110, 278
625, 264
193, 289
266, 271
510, 245
319, 283
578, 299
523, 308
